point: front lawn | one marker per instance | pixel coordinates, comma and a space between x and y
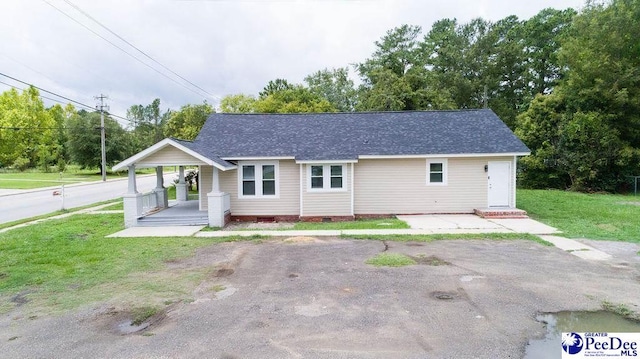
581, 215
383, 223
60, 264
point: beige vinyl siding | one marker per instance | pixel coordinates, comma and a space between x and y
398, 186
286, 204
170, 156
327, 203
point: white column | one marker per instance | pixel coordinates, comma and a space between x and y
131, 171
216, 181
161, 192
216, 202
181, 186
159, 178
132, 200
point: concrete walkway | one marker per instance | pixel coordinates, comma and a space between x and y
420, 225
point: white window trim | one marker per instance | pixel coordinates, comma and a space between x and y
326, 178
445, 171
258, 178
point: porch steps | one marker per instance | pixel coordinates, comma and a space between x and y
500, 213
183, 220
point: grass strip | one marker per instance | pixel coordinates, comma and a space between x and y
440, 237
390, 260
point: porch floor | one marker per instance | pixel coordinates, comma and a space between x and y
183, 213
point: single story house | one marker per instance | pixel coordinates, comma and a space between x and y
338, 166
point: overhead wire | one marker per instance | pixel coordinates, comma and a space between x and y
121, 49
58, 95
136, 48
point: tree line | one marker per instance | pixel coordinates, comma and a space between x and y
566, 82
34, 136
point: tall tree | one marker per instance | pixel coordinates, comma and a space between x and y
335, 86
186, 123
83, 132
147, 124
295, 99
542, 35
395, 77
239, 103
274, 86
596, 106
26, 129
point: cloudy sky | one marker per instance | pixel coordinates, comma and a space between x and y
221, 46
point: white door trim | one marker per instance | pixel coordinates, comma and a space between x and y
499, 191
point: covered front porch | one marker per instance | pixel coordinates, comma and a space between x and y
154, 208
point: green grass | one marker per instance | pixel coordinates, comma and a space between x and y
581, 215
65, 263
56, 213
140, 315
440, 237
171, 192
32, 179
117, 206
384, 223
390, 260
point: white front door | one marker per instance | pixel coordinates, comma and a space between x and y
499, 179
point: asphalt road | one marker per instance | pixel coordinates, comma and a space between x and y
28, 204
318, 299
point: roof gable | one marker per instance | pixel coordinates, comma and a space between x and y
333, 136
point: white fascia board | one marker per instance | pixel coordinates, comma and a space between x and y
160, 145
304, 162
258, 158
443, 155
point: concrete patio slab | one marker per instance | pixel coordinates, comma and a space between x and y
169, 231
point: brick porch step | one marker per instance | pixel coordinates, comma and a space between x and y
500, 212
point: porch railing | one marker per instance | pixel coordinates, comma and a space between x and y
149, 202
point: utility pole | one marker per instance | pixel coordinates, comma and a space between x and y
485, 98
102, 107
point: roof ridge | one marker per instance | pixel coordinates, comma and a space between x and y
345, 113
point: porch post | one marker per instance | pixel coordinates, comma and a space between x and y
181, 186
161, 192
132, 200
217, 202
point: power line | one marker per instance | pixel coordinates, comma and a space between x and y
121, 49
135, 47
21, 89
55, 94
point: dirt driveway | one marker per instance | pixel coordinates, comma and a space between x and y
318, 299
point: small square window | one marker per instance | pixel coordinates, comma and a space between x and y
437, 172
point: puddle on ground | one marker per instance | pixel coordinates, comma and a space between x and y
556, 323
127, 327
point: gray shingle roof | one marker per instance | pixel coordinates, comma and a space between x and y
343, 136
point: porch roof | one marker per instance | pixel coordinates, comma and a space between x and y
171, 152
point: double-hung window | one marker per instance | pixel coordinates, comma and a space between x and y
437, 172
326, 177
258, 179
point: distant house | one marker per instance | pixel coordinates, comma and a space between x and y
339, 166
